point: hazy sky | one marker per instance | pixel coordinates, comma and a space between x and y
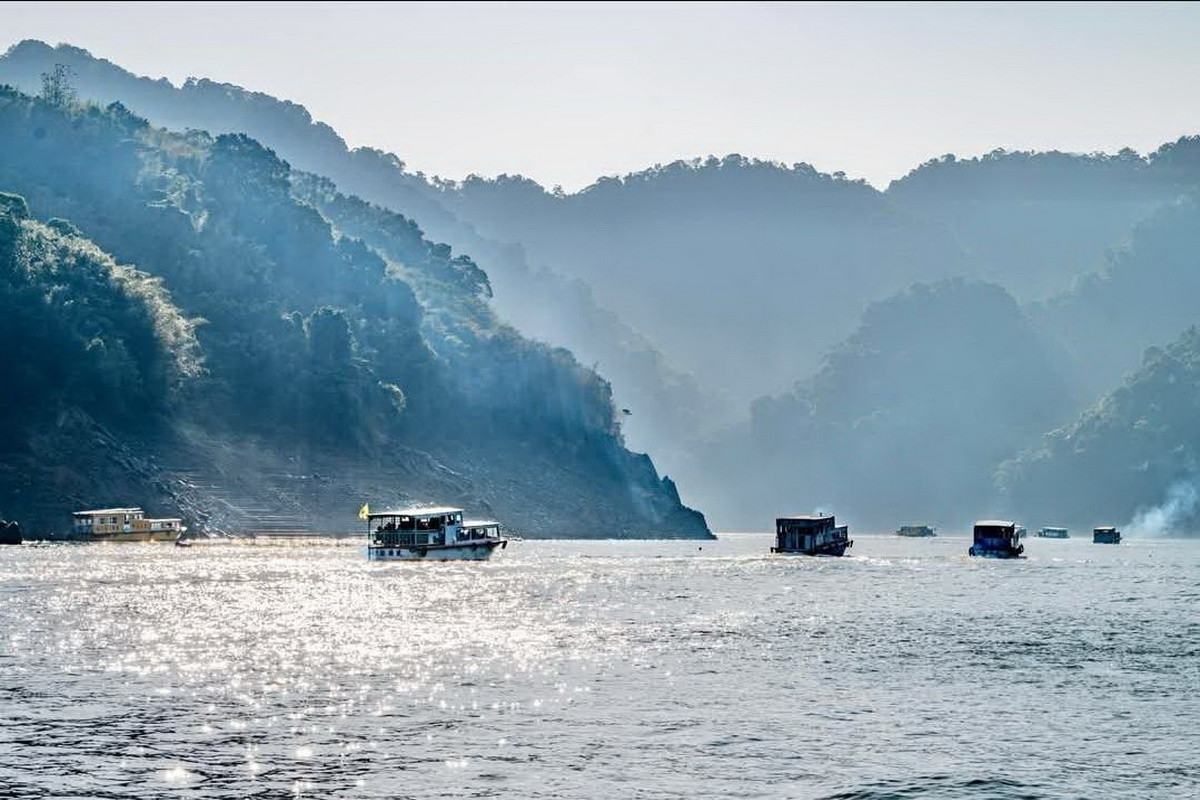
564, 93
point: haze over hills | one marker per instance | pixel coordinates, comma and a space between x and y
784, 338
906, 417
777, 261
1035, 221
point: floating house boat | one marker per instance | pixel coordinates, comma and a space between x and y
1053, 533
811, 535
915, 530
124, 525
1106, 535
432, 534
996, 538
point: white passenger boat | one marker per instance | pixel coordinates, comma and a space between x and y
430, 534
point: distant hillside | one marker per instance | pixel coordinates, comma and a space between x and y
754, 266
1033, 221
1136, 450
327, 379
906, 420
1142, 295
540, 302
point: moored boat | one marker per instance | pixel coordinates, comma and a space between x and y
1053, 533
430, 534
811, 535
996, 538
1106, 534
916, 530
124, 525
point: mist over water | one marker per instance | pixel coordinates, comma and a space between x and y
601, 669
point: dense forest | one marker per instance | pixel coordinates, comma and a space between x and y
965, 343
371, 361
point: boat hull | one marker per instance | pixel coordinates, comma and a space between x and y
137, 536
835, 549
980, 552
463, 551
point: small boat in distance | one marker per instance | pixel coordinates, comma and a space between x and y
1106, 534
811, 535
431, 534
915, 530
996, 538
1053, 533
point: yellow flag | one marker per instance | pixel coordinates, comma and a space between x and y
364, 512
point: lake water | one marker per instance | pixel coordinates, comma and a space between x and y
601, 670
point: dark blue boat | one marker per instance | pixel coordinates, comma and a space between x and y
997, 538
1106, 535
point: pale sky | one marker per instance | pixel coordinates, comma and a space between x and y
566, 93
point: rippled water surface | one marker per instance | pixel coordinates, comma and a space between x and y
601, 670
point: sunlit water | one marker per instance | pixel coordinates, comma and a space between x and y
601, 670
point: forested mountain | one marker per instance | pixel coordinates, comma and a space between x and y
348, 370
541, 302
906, 419
1136, 450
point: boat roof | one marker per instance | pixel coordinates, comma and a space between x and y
1105, 528
807, 517
479, 523
995, 523
107, 511
1053, 528
421, 511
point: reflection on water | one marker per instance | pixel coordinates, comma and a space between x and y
591, 669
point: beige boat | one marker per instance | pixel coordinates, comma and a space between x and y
124, 525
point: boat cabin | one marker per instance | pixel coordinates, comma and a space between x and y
996, 538
915, 530
410, 527
1106, 535
811, 534
476, 529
